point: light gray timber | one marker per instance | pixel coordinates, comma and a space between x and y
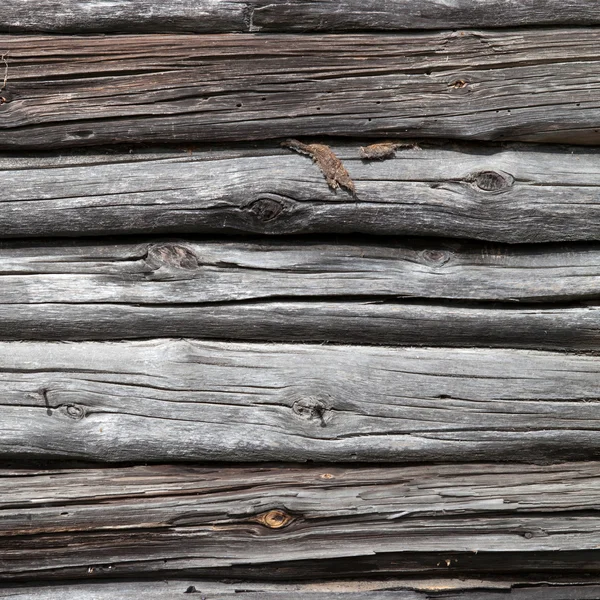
352, 291
222, 16
161, 400
516, 193
399, 589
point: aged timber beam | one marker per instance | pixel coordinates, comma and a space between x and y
389, 589
487, 85
512, 193
345, 291
437, 519
192, 270
340, 322
162, 400
77, 16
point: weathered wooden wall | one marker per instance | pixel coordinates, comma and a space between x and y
420, 345
398, 292
389, 589
164, 400
222, 16
485, 85
503, 193
269, 521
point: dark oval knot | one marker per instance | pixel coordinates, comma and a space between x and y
311, 409
491, 181
171, 256
73, 411
436, 257
266, 209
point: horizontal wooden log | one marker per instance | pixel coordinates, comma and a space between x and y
338, 291
85, 524
191, 271
401, 589
349, 322
221, 16
500, 193
139, 16
163, 400
486, 85
333, 15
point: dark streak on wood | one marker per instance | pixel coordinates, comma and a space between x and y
98, 523
70, 91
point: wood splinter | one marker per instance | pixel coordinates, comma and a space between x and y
384, 150
331, 166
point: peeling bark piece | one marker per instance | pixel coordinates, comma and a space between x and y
331, 166
383, 150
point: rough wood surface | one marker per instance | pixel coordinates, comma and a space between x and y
399, 589
123, 522
515, 194
139, 16
344, 291
219, 16
488, 85
186, 400
333, 15
349, 322
183, 271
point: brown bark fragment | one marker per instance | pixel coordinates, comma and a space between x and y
330, 165
384, 150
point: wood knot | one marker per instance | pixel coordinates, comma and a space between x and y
459, 84
72, 411
274, 519
171, 256
491, 181
435, 257
311, 409
266, 209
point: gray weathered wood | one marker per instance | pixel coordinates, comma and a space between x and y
336, 15
214, 16
185, 400
346, 322
184, 271
98, 523
400, 589
508, 194
139, 16
348, 291
486, 85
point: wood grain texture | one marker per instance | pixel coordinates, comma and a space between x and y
184, 400
333, 15
514, 193
126, 522
221, 16
349, 322
138, 16
184, 271
391, 589
343, 291
487, 85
